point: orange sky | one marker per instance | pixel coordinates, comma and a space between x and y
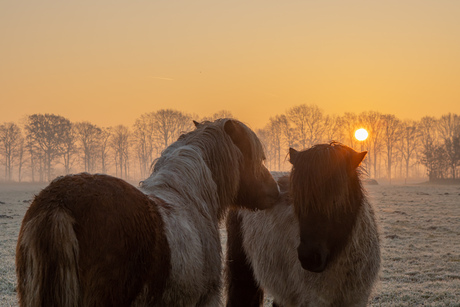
111, 61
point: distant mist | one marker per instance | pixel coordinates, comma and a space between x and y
49, 145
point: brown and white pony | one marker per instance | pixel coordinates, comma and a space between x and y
319, 246
95, 240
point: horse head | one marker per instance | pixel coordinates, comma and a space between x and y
257, 189
327, 195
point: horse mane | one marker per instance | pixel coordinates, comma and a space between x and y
185, 177
205, 159
322, 179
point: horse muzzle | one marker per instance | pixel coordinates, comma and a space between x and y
312, 259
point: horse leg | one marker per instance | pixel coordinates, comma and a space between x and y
242, 288
211, 300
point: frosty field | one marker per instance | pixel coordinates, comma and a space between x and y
420, 231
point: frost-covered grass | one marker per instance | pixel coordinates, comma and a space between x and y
420, 228
14, 201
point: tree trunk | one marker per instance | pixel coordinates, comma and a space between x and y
407, 168
389, 167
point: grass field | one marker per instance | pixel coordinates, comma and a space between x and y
420, 230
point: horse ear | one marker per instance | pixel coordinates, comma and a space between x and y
293, 155
197, 124
357, 158
232, 130
238, 136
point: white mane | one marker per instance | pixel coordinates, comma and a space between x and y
184, 168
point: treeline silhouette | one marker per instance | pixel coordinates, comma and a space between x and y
48, 145
396, 148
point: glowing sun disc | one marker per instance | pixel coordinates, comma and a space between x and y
361, 134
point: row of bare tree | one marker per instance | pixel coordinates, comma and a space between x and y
397, 148
48, 145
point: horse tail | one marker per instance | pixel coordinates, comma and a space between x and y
47, 257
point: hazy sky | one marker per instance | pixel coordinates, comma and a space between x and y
111, 61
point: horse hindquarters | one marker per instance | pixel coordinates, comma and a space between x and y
91, 240
242, 288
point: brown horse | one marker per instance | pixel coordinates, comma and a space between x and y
95, 240
318, 247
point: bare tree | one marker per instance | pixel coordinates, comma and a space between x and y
288, 132
104, 145
449, 129
452, 148
448, 125
170, 124
427, 129
88, 136
11, 145
350, 123
275, 136
120, 144
154, 131
21, 160
218, 114
34, 156
427, 134
309, 124
68, 149
390, 135
373, 123
264, 136
407, 143
48, 132
144, 142
334, 131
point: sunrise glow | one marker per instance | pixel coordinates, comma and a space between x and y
361, 134
109, 63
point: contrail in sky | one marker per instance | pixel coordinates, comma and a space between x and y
162, 78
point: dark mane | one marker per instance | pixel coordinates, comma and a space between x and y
322, 177
319, 246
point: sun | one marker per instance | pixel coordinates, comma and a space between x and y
361, 134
